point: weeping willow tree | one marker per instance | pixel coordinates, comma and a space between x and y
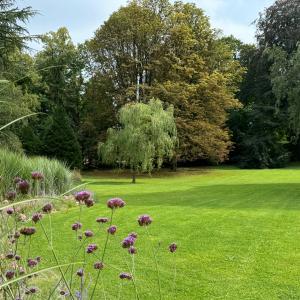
145, 138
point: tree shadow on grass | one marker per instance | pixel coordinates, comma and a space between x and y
284, 196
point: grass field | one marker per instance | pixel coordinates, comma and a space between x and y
238, 233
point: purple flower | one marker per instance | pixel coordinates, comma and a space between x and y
82, 196
144, 220
17, 257
9, 274
11, 195
23, 187
89, 202
37, 175
47, 208
80, 273
128, 241
98, 265
112, 229
31, 263
173, 247
31, 290
91, 248
132, 250
133, 234
10, 211
102, 220
10, 256
36, 217
28, 231
88, 233
125, 276
115, 203
76, 226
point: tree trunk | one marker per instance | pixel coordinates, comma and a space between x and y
174, 163
133, 177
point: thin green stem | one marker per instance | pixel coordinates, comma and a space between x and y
73, 260
56, 259
156, 263
103, 254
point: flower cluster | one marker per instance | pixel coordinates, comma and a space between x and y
144, 220
23, 186
38, 176
112, 229
115, 203
102, 220
36, 217
125, 276
91, 248
27, 231
76, 226
84, 197
172, 247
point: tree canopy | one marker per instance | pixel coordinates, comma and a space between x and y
145, 137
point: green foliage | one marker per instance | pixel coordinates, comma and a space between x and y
57, 177
60, 141
14, 104
180, 60
278, 26
13, 35
285, 76
147, 135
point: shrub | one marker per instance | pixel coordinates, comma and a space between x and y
57, 178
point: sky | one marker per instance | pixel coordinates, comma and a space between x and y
83, 17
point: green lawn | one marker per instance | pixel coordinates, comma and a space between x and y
238, 233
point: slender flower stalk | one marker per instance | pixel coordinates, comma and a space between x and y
156, 263
103, 254
56, 259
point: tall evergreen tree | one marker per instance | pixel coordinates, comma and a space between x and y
60, 140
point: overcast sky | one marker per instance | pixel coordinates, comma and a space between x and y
83, 17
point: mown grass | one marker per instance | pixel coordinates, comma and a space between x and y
238, 233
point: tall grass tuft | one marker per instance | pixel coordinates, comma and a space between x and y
57, 177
